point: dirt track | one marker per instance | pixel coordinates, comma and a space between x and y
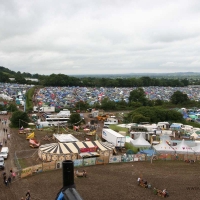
116, 181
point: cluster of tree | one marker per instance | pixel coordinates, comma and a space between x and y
19, 119
6, 74
153, 115
65, 80
11, 107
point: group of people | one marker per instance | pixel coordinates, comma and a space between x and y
7, 181
83, 173
144, 182
3, 121
163, 193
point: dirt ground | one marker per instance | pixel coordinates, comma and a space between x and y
104, 182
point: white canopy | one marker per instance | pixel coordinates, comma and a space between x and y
194, 135
65, 138
183, 148
140, 142
163, 147
196, 149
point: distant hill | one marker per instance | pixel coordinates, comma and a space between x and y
8, 72
155, 75
12, 74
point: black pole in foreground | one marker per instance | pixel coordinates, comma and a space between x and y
68, 173
69, 189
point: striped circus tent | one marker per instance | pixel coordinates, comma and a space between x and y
72, 151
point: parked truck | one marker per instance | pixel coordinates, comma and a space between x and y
3, 112
113, 137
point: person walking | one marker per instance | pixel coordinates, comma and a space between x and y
28, 195
6, 182
13, 175
9, 180
4, 178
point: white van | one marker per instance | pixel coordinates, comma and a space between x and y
4, 152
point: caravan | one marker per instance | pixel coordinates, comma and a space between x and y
163, 125
110, 121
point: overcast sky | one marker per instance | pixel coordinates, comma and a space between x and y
100, 36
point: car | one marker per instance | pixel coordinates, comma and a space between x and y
4, 152
2, 164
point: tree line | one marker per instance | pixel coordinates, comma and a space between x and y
65, 80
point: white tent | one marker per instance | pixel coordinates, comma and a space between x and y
65, 138
195, 136
196, 149
140, 142
163, 147
183, 148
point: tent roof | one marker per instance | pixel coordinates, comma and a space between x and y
163, 147
196, 149
194, 135
183, 148
75, 147
140, 142
65, 138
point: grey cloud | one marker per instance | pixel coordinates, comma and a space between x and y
99, 36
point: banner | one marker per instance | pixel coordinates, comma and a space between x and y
115, 159
198, 157
49, 166
139, 157
26, 172
127, 158
78, 163
59, 164
89, 161
189, 157
99, 160
164, 157
37, 168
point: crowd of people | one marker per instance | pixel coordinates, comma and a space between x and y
8, 179
144, 183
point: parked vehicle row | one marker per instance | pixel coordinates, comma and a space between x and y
3, 155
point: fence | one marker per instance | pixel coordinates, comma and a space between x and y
53, 165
